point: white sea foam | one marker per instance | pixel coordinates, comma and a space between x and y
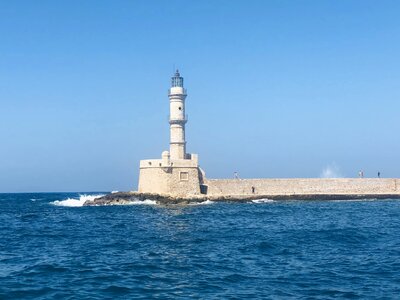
262, 201
113, 192
71, 202
143, 202
355, 200
207, 202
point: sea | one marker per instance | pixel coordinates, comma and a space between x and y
52, 247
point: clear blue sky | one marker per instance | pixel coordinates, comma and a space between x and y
275, 89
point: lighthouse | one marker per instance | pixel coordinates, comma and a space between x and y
177, 172
177, 117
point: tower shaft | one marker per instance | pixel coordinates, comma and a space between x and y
177, 118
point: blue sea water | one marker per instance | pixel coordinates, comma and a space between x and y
271, 250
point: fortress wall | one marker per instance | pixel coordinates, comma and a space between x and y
182, 184
306, 186
153, 180
177, 181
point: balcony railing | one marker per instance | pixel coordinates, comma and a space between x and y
176, 120
170, 94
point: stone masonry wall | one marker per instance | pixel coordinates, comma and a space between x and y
153, 180
158, 181
306, 186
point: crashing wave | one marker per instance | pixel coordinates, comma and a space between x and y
143, 202
262, 200
207, 202
72, 202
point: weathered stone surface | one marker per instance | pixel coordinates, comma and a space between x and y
300, 187
167, 179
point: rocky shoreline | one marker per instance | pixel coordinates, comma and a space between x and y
127, 198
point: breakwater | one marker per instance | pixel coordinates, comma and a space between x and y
299, 187
244, 190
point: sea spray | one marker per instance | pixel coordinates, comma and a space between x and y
142, 202
72, 202
207, 202
331, 171
262, 201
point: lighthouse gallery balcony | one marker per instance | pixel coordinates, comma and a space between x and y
176, 120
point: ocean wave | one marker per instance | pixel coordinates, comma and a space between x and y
143, 202
113, 192
262, 201
355, 200
72, 202
207, 202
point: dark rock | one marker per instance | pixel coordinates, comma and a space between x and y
126, 198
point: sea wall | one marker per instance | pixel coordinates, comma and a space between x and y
302, 186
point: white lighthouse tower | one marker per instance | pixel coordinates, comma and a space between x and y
177, 117
177, 172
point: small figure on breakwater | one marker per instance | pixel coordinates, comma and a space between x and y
379, 174
235, 175
361, 174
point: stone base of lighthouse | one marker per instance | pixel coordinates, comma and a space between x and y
181, 177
